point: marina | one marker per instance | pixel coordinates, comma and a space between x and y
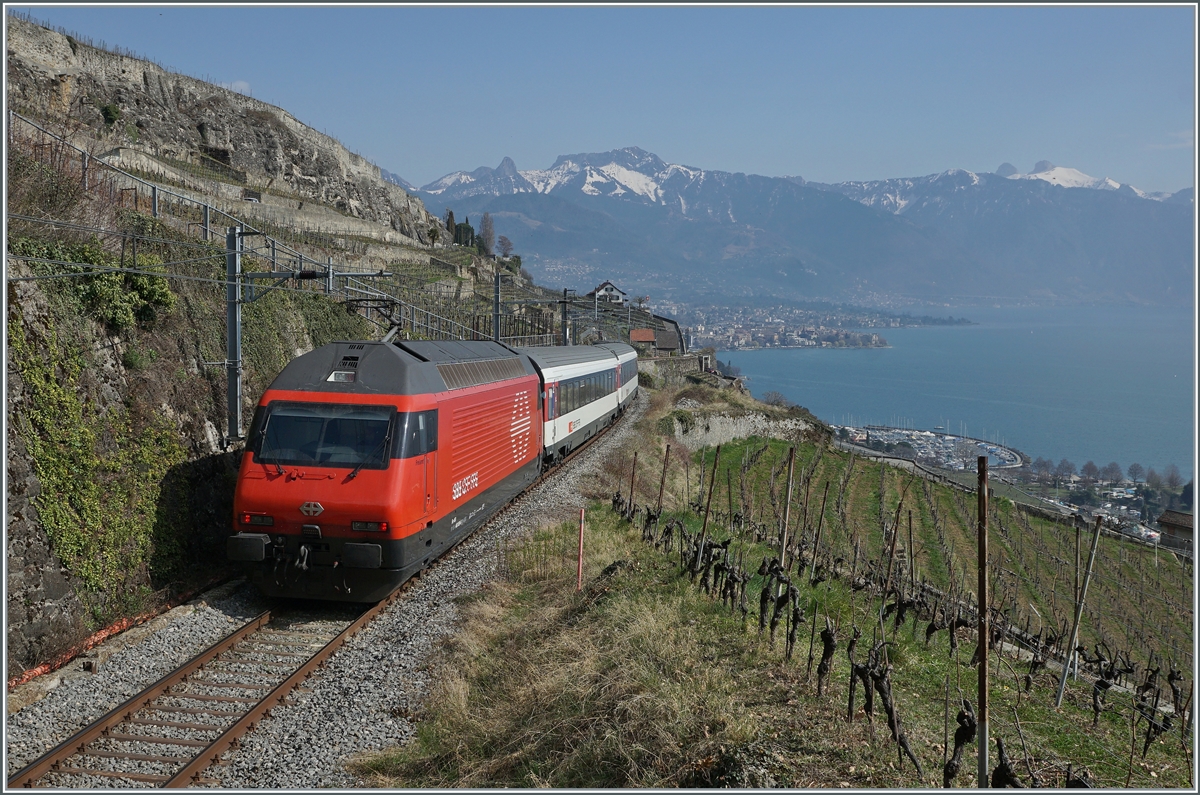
932, 448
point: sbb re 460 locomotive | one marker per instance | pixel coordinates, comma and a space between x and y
365, 461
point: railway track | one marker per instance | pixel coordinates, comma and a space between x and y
170, 733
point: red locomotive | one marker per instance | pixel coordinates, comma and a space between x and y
365, 461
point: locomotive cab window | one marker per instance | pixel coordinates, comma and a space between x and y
323, 434
417, 434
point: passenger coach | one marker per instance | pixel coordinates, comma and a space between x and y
584, 389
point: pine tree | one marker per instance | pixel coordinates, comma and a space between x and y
487, 234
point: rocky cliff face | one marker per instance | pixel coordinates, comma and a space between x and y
123, 101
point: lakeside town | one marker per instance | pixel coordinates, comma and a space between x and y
789, 326
1138, 503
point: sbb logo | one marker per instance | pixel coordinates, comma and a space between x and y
466, 484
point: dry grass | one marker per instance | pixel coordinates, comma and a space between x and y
546, 686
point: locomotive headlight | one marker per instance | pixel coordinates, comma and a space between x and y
372, 527
257, 519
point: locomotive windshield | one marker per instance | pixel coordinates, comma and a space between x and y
323, 434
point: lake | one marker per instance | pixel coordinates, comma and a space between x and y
1099, 383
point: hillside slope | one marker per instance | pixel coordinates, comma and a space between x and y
120, 101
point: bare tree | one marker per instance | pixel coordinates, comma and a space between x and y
487, 234
1111, 472
773, 398
1089, 471
1042, 468
1064, 470
505, 245
1153, 479
1135, 472
1171, 477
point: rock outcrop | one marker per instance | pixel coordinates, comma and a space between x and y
121, 101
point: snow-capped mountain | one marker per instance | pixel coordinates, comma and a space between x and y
482, 181
630, 172
899, 195
396, 179
1069, 177
672, 229
636, 174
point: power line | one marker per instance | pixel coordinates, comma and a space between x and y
115, 232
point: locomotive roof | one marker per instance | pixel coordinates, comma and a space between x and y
409, 368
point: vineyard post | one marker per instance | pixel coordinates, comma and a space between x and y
817, 540
1075, 593
946, 724
707, 505
579, 571
1062, 684
729, 491
632, 475
912, 561
982, 713
663, 482
787, 509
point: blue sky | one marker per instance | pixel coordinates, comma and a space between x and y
827, 93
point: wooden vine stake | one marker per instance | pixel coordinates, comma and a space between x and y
787, 509
1070, 650
632, 475
707, 505
981, 716
662, 483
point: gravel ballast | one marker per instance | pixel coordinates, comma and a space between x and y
361, 700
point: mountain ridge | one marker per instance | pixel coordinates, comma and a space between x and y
1053, 234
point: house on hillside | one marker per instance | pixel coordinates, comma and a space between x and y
1177, 529
643, 340
607, 291
667, 341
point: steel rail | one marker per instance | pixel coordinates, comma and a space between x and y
190, 773
78, 742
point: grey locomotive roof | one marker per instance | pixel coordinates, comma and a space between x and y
411, 368
455, 350
567, 354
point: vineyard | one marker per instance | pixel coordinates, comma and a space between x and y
732, 635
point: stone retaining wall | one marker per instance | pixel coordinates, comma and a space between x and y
670, 370
704, 430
